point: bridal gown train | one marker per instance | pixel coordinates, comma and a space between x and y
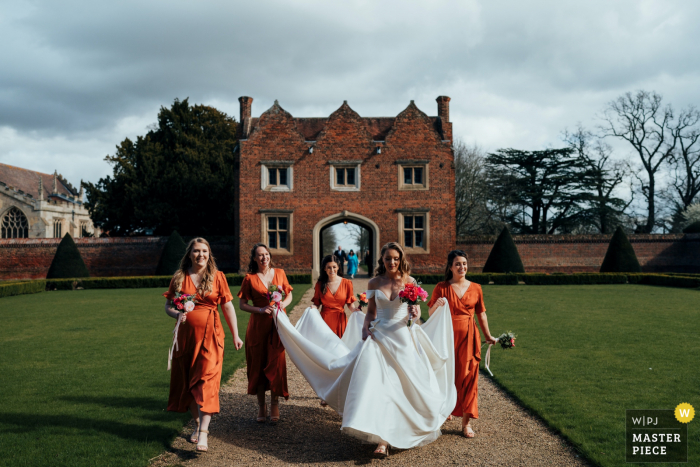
398, 387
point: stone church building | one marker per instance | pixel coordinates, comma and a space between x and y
39, 205
393, 176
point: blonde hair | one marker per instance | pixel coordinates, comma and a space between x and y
404, 267
207, 284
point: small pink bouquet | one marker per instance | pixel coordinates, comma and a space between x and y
276, 294
184, 303
412, 294
362, 298
507, 340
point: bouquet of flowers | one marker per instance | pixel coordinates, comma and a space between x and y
362, 298
412, 294
184, 303
276, 294
507, 340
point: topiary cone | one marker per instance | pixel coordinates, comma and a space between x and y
692, 228
172, 254
504, 256
620, 256
67, 262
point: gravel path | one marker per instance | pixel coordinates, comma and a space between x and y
506, 435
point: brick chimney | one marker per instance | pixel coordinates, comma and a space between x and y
246, 109
444, 114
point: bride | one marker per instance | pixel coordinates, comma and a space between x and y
393, 385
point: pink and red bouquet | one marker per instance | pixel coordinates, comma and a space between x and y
507, 340
412, 294
184, 303
362, 298
276, 294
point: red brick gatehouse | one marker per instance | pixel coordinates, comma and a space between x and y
391, 175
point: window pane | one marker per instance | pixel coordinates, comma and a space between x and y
418, 175
419, 222
272, 223
283, 176
340, 176
282, 223
407, 178
272, 239
419, 238
407, 222
283, 240
408, 238
351, 176
272, 176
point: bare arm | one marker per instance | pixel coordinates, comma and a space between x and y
440, 302
369, 317
170, 311
243, 305
484, 325
230, 315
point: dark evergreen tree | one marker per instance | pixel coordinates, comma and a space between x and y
692, 228
504, 256
67, 262
620, 256
172, 254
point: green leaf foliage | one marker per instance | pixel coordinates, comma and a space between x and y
504, 256
67, 261
692, 228
179, 176
620, 256
173, 251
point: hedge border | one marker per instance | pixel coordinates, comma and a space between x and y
22, 288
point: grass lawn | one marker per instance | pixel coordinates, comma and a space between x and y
585, 354
84, 379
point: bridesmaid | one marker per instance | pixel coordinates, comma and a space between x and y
332, 293
264, 352
352, 264
465, 299
196, 367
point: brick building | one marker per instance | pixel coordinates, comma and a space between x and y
391, 175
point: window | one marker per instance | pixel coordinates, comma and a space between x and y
84, 232
14, 224
413, 175
413, 230
58, 228
276, 175
345, 175
277, 231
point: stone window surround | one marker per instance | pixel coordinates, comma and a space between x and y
406, 163
348, 164
289, 213
425, 212
264, 175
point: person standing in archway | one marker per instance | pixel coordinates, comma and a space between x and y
352, 264
342, 257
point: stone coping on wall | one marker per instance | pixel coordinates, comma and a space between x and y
634, 238
81, 242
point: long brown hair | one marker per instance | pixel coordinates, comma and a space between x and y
451, 259
404, 267
253, 265
207, 284
323, 276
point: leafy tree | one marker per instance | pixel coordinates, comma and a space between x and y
504, 256
620, 256
67, 262
180, 176
544, 187
173, 251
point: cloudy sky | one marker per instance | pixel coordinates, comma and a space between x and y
78, 76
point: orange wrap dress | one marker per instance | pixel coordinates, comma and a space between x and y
264, 352
197, 361
333, 311
467, 343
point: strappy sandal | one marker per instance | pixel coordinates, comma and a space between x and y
274, 418
194, 437
264, 417
382, 452
467, 431
203, 447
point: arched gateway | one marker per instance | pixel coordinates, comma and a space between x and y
351, 217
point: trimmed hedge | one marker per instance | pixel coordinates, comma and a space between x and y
504, 256
563, 279
620, 256
173, 251
692, 228
67, 261
670, 281
436, 278
22, 288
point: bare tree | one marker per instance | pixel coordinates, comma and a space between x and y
328, 241
641, 120
685, 163
360, 236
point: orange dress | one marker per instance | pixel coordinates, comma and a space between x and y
333, 311
196, 368
467, 343
264, 352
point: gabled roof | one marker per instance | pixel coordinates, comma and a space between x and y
28, 181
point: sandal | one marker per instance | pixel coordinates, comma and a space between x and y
264, 417
324, 403
194, 437
203, 446
274, 418
382, 452
467, 431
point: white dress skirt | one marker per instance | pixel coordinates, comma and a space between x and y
396, 388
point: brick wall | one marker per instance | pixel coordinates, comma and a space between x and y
31, 258
585, 253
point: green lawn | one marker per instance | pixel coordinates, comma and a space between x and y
585, 354
84, 379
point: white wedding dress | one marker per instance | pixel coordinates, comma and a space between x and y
398, 387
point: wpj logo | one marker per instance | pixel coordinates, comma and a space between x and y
655, 436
